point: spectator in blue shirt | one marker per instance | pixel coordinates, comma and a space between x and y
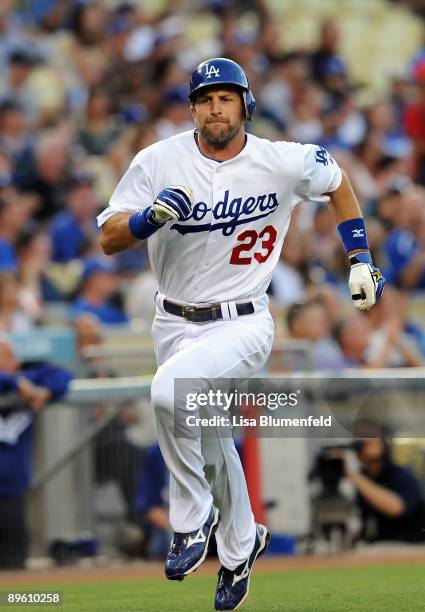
328, 68
15, 142
152, 502
405, 245
75, 228
48, 14
406, 260
99, 284
24, 390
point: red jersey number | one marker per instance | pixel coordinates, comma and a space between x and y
247, 239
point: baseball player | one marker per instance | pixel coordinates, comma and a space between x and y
214, 205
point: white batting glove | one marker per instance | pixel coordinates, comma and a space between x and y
366, 282
174, 202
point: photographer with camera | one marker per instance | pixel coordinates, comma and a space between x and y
388, 495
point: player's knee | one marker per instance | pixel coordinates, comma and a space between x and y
162, 391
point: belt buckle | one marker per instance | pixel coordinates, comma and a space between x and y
187, 311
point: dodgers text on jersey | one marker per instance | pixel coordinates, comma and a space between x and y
228, 213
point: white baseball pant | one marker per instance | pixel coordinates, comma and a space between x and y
208, 470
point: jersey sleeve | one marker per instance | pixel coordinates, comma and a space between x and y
321, 174
132, 194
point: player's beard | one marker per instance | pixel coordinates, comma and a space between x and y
219, 140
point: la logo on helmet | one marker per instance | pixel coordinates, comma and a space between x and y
211, 71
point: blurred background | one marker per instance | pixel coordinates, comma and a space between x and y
84, 86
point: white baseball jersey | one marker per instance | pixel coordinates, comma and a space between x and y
228, 247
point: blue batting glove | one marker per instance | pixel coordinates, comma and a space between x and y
174, 202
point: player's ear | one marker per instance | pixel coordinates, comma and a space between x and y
193, 112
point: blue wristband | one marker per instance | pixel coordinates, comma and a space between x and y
353, 235
361, 258
141, 224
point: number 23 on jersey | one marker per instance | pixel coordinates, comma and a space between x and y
257, 245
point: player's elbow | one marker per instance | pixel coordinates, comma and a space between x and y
106, 244
115, 235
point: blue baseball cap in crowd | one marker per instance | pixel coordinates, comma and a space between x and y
80, 178
176, 95
134, 113
333, 66
120, 25
94, 266
6, 180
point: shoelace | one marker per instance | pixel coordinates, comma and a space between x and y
179, 541
223, 574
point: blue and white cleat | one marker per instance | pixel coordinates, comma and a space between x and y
233, 586
188, 550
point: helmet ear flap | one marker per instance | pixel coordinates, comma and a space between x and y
249, 104
243, 96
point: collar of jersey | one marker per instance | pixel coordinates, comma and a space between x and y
218, 161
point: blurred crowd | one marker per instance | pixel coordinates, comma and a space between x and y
87, 84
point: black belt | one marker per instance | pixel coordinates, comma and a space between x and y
201, 314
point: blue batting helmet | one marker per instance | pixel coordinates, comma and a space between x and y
221, 70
